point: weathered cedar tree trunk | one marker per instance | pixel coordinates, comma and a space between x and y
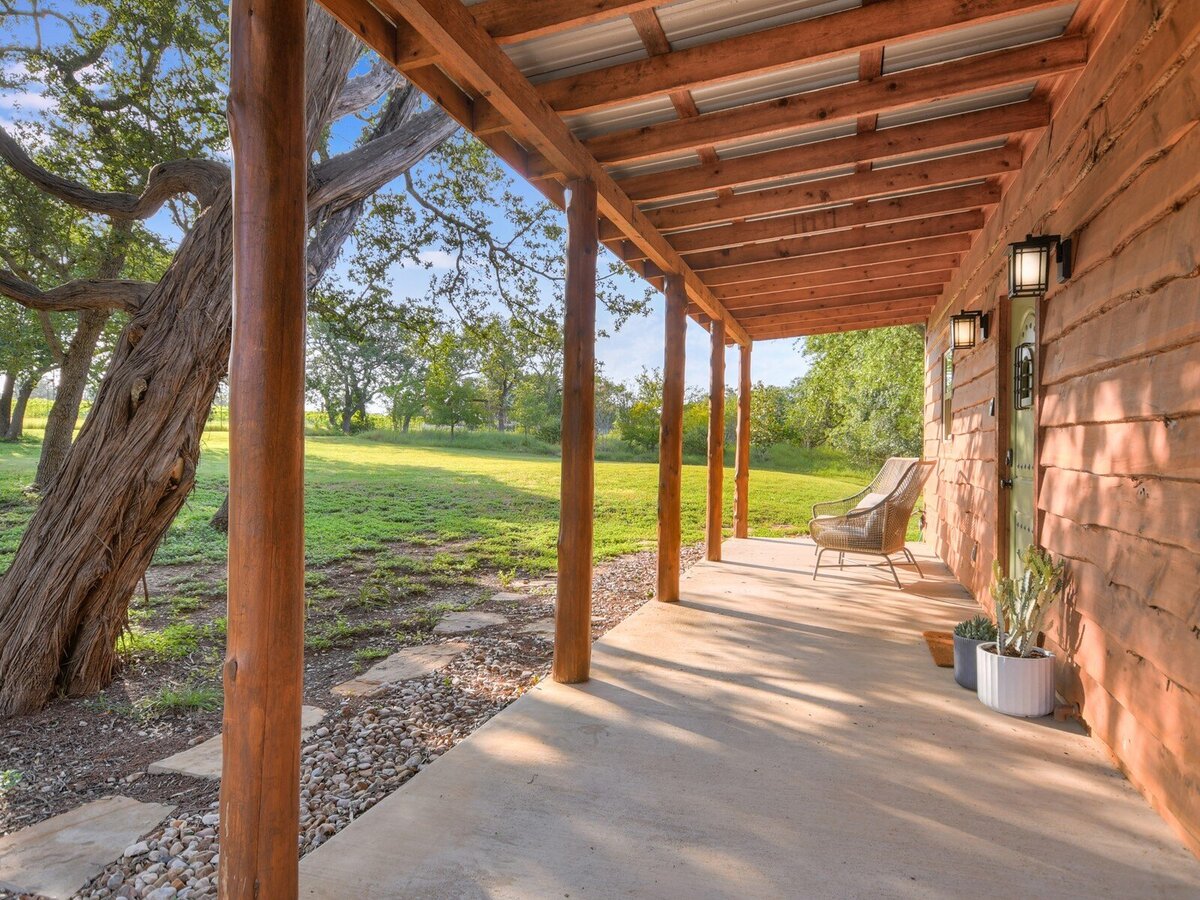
64, 599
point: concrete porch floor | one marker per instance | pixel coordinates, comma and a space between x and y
769, 736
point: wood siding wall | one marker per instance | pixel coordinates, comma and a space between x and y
1118, 413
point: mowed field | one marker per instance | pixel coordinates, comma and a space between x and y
498, 508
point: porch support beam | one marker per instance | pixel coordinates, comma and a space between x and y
715, 507
264, 661
670, 441
857, 324
573, 611
741, 465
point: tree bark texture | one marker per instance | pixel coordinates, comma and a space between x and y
6, 398
64, 599
16, 422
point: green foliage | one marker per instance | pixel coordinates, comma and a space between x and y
862, 392
175, 641
486, 508
1022, 602
979, 628
179, 699
9, 779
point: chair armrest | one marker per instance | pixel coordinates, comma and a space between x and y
837, 507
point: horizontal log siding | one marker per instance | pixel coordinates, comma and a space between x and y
1119, 409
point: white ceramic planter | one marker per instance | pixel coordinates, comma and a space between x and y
1015, 687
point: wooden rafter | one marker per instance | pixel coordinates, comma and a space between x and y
784, 46
828, 242
792, 269
951, 170
825, 296
881, 320
844, 278
883, 93
940, 134
857, 304
970, 197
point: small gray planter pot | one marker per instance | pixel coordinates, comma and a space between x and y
964, 662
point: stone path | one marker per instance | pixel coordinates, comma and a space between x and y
54, 858
204, 760
403, 665
462, 622
543, 628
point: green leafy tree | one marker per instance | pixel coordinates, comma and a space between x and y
453, 394
638, 423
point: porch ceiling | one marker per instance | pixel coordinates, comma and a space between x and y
807, 165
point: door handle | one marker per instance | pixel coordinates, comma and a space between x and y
1006, 482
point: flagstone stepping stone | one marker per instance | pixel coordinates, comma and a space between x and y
411, 662
511, 597
461, 622
56, 857
204, 760
543, 628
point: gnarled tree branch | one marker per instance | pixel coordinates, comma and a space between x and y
361, 92
202, 178
80, 294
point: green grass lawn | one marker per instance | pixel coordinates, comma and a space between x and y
500, 509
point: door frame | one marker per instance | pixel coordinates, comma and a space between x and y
1004, 403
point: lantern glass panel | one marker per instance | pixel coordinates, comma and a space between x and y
1029, 269
964, 330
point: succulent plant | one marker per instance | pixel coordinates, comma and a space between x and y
1021, 603
980, 628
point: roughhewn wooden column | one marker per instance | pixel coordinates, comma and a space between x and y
670, 441
741, 464
264, 663
716, 444
573, 613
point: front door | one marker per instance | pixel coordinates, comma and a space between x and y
1023, 364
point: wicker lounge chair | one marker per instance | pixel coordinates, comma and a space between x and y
875, 520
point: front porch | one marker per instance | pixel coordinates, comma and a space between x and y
768, 736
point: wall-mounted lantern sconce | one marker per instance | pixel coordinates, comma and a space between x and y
967, 329
1029, 264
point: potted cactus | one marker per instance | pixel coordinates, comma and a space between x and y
967, 636
1015, 676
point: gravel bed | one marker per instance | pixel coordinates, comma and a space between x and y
365, 749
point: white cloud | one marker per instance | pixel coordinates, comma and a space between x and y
438, 259
25, 101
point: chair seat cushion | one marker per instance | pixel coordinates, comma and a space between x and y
869, 500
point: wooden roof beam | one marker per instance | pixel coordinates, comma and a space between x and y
834, 282
824, 296
837, 189
938, 134
450, 29
836, 219
819, 262
845, 314
854, 238
512, 21
880, 94
782, 47
853, 304
886, 320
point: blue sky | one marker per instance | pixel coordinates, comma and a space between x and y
623, 354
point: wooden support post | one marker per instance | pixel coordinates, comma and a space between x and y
573, 613
670, 441
741, 471
264, 662
716, 444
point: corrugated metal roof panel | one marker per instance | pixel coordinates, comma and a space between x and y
781, 83
650, 111
663, 164
811, 135
694, 22
578, 50
1009, 31
941, 153
953, 106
